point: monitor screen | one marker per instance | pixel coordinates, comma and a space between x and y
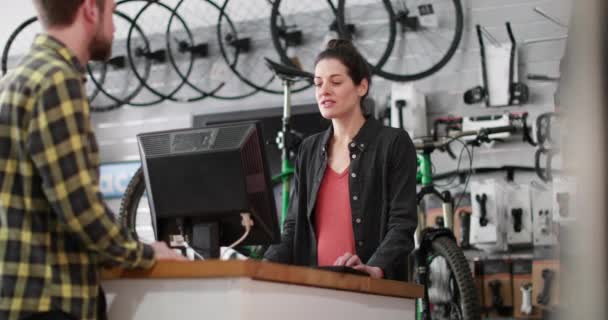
199, 182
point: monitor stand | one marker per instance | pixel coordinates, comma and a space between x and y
206, 239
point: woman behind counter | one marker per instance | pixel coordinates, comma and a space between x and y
354, 198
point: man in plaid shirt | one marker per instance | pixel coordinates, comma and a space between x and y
55, 230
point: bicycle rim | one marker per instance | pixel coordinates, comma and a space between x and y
124, 87
165, 78
247, 62
421, 52
226, 31
11, 40
205, 81
22, 30
372, 29
300, 30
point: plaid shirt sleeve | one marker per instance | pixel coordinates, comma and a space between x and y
59, 144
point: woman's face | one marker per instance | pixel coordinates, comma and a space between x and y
337, 95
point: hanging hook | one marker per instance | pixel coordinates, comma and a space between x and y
489, 36
549, 17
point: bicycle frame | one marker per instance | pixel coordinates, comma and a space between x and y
286, 139
286, 165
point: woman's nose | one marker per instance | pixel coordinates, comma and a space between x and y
324, 88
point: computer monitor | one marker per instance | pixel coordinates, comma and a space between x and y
305, 119
200, 180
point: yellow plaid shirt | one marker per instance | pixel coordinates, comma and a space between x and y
55, 230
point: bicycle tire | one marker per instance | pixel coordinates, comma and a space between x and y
279, 32
281, 46
262, 79
220, 90
130, 201
425, 72
6, 53
469, 301
116, 102
11, 39
202, 93
392, 33
102, 80
144, 80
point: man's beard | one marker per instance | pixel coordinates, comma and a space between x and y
100, 49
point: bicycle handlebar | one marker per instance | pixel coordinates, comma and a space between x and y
443, 142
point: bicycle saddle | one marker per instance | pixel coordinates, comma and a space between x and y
287, 72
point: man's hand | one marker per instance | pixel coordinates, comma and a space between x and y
352, 260
163, 252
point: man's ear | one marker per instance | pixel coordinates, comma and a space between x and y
90, 11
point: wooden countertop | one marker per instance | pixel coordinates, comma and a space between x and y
266, 271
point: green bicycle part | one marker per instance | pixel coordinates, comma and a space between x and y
279, 177
286, 171
418, 172
424, 176
284, 177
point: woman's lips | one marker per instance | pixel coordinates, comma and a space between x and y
327, 103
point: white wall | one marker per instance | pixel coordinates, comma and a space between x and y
12, 14
116, 130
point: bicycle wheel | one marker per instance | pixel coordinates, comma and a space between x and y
99, 71
210, 74
131, 214
19, 43
163, 80
244, 45
121, 86
452, 293
301, 29
371, 26
428, 34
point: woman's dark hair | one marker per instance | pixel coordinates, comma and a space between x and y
345, 52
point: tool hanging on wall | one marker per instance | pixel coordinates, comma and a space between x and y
408, 109
498, 302
545, 296
526, 305
546, 141
498, 90
465, 229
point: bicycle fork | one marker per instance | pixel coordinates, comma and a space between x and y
420, 227
448, 211
448, 217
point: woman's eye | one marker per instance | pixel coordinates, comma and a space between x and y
318, 84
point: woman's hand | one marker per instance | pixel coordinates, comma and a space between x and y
352, 260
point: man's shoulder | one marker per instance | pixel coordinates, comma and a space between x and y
40, 70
